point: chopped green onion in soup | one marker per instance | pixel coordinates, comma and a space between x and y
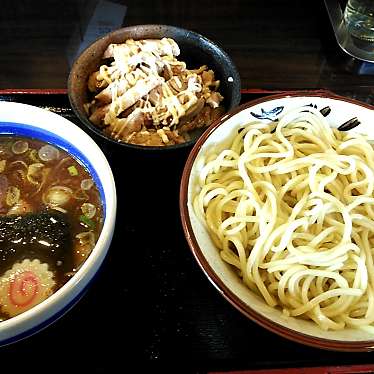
86, 221
58, 195
88, 209
48, 153
12, 196
33, 155
20, 146
73, 171
34, 172
2, 165
86, 184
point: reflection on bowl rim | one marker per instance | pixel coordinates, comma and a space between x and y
56, 305
99, 132
214, 278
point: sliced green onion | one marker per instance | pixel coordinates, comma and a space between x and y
88, 222
72, 170
12, 195
86, 184
2, 165
34, 155
48, 153
88, 209
57, 196
19, 147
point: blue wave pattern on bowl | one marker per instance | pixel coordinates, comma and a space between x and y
20, 129
272, 115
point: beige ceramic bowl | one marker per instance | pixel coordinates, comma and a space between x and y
221, 274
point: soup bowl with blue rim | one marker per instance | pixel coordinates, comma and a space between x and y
40, 149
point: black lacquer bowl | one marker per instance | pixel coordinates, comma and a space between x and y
196, 50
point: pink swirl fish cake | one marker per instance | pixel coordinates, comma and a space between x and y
25, 285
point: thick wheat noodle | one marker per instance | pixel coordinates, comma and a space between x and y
292, 211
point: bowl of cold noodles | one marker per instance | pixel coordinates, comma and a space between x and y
277, 205
152, 87
57, 216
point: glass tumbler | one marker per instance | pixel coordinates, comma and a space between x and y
359, 19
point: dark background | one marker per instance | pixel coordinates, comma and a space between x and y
276, 44
151, 306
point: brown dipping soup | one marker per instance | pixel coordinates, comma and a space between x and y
50, 218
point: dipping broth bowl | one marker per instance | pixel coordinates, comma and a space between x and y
196, 50
27, 121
